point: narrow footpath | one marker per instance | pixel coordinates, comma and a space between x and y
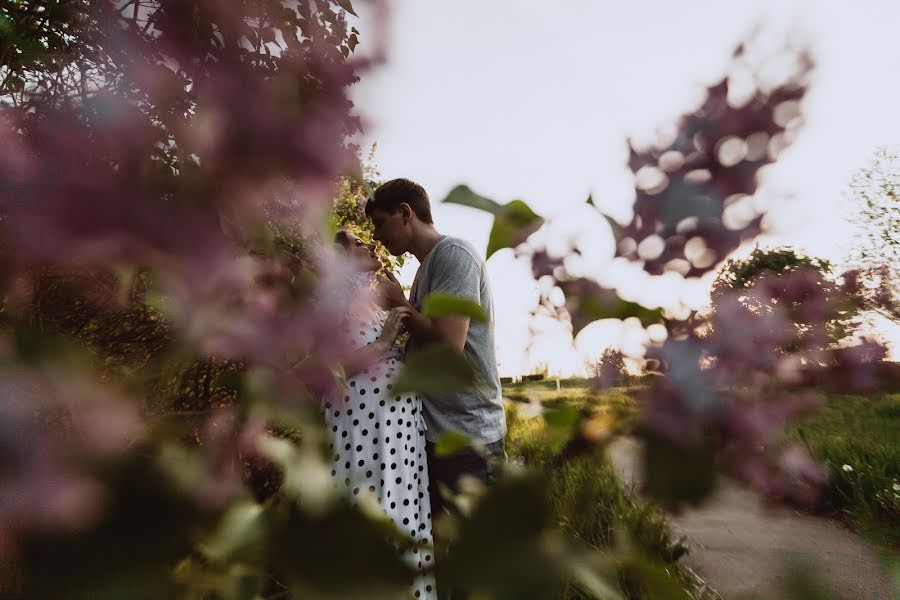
740, 547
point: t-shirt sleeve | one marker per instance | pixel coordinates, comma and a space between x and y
457, 273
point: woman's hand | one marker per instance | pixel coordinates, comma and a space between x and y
365, 357
393, 324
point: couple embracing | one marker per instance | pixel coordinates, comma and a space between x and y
385, 442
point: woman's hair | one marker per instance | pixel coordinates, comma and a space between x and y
342, 238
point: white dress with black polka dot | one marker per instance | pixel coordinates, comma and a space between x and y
379, 447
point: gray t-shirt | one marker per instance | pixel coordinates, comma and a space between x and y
454, 267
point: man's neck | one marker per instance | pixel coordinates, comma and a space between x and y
424, 241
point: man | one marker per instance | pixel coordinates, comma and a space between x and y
401, 214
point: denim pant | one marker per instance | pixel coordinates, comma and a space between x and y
445, 471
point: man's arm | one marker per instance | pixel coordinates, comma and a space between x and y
448, 329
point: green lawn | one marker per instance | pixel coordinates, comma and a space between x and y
858, 437
576, 392
861, 432
588, 500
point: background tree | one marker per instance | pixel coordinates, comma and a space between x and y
875, 210
59, 56
609, 370
54, 52
801, 288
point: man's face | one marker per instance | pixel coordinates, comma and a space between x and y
390, 230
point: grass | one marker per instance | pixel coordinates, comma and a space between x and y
862, 432
576, 392
858, 438
587, 498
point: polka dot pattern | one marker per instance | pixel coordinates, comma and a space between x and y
378, 444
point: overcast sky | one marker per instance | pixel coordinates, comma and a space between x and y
534, 100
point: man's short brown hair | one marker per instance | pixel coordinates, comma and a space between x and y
390, 195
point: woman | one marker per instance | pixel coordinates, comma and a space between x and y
378, 437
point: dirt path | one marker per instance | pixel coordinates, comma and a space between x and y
739, 547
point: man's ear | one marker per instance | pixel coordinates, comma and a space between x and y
406, 212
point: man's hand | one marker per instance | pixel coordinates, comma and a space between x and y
390, 291
448, 329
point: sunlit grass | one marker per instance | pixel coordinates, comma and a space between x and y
576, 392
588, 500
858, 438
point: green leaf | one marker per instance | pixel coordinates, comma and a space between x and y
595, 573
314, 553
677, 473
590, 200
121, 556
564, 417
624, 309
437, 368
513, 223
451, 443
617, 230
801, 581
240, 534
345, 4
501, 549
437, 305
306, 474
587, 302
463, 195
656, 579
231, 380
31, 347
